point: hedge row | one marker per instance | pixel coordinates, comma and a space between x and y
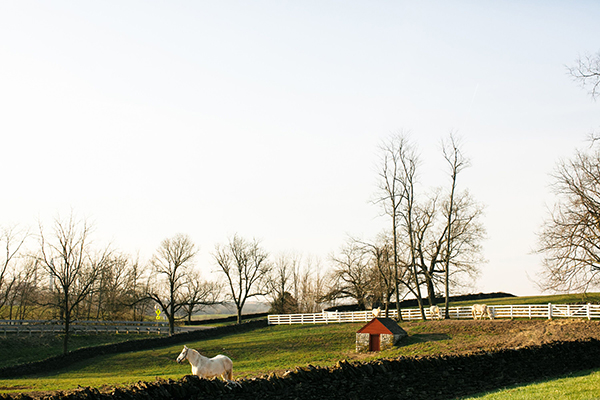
440, 377
74, 356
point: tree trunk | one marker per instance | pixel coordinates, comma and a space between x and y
430, 291
66, 338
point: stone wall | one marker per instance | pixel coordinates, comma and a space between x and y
362, 342
388, 341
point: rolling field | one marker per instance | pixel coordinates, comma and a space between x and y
276, 349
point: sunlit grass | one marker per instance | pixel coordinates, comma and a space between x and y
580, 386
254, 353
23, 349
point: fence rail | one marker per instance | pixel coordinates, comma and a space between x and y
29, 327
531, 311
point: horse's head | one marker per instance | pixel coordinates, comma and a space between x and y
183, 354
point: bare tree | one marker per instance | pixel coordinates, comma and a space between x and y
570, 237
73, 267
351, 275
587, 72
397, 184
136, 289
110, 296
199, 293
246, 268
457, 162
448, 232
309, 284
172, 263
12, 241
382, 267
25, 290
280, 285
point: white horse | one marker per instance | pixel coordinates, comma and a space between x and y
205, 367
480, 311
434, 312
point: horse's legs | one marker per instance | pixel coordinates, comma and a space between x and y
227, 374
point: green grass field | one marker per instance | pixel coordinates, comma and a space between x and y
255, 353
579, 386
22, 349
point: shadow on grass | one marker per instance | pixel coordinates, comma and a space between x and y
422, 338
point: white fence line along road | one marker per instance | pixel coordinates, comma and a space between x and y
530, 311
29, 327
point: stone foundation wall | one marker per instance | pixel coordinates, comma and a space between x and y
385, 341
362, 342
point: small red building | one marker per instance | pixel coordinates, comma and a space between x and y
379, 334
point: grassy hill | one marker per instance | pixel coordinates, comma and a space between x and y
263, 351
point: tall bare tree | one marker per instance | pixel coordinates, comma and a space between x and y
134, 295
281, 285
570, 237
25, 290
382, 266
199, 293
351, 274
246, 268
12, 240
309, 284
397, 184
463, 230
587, 71
172, 264
72, 265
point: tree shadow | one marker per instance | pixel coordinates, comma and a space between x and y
422, 338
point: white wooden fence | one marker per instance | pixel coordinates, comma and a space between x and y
28, 327
530, 311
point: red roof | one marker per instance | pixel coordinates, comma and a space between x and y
381, 325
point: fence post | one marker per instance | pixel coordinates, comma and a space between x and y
588, 311
549, 310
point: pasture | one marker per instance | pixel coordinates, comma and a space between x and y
22, 349
583, 385
276, 349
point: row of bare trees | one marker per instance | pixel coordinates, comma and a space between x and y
434, 241
65, 276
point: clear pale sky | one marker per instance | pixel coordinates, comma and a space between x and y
263, 117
